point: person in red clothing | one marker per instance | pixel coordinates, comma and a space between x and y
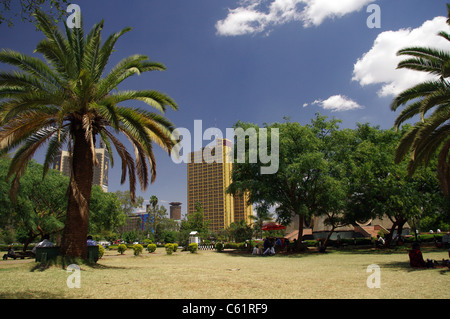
416, 258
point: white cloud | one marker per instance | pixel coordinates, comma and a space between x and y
242, 20
316, 11
337, 103
379, 64
255, 16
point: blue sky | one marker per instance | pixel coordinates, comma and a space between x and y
259, 61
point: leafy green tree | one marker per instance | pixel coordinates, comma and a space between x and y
106, 214
306, 172
129, 205
194, 222
240, 231
156, 214
71, 100
431, 134
379, 187
262, 215
41, 205
57, 9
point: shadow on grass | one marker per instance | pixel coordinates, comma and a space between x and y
242, 253
32, 294
63, 262
404, 266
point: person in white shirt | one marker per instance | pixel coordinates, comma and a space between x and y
44, 243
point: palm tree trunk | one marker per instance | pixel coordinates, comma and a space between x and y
74, 241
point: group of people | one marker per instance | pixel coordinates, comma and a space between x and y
416, 259
44, 243
271, 246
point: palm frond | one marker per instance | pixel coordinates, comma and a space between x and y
153, 98
407, 113
32, 66
24, 154
436, 98
141, 162
418, 91
127, 163
55, 47
92, 47
430, 54
404, 146
54, 147
420, 64
135, 64
430, 145
105, 52
17, 130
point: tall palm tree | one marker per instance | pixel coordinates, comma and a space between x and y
71, 100
262, 215
431, 134
153, 201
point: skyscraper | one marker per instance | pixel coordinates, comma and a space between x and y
62, 164
209, 175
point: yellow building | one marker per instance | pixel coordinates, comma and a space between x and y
208, 178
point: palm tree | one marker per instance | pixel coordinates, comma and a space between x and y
153, 201
69, 100
262, 215
431, 134
152, 211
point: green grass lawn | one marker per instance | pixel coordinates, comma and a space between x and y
208, 274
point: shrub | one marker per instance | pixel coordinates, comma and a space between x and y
101, 251
151, 248
138, 248
193, 247
148, 241
169, 249
175, 247
121, 249
219, 246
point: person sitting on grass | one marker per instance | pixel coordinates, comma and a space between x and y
268, 248
380, 242
416, 258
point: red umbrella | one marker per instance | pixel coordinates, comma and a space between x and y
272, 226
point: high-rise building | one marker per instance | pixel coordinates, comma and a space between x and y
209, 175
101, 170
62, 164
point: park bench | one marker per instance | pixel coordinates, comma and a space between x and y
92, 253
20, 254
44, 254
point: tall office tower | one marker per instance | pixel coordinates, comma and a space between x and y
62, 164
208, 178
242, 210
101, 170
